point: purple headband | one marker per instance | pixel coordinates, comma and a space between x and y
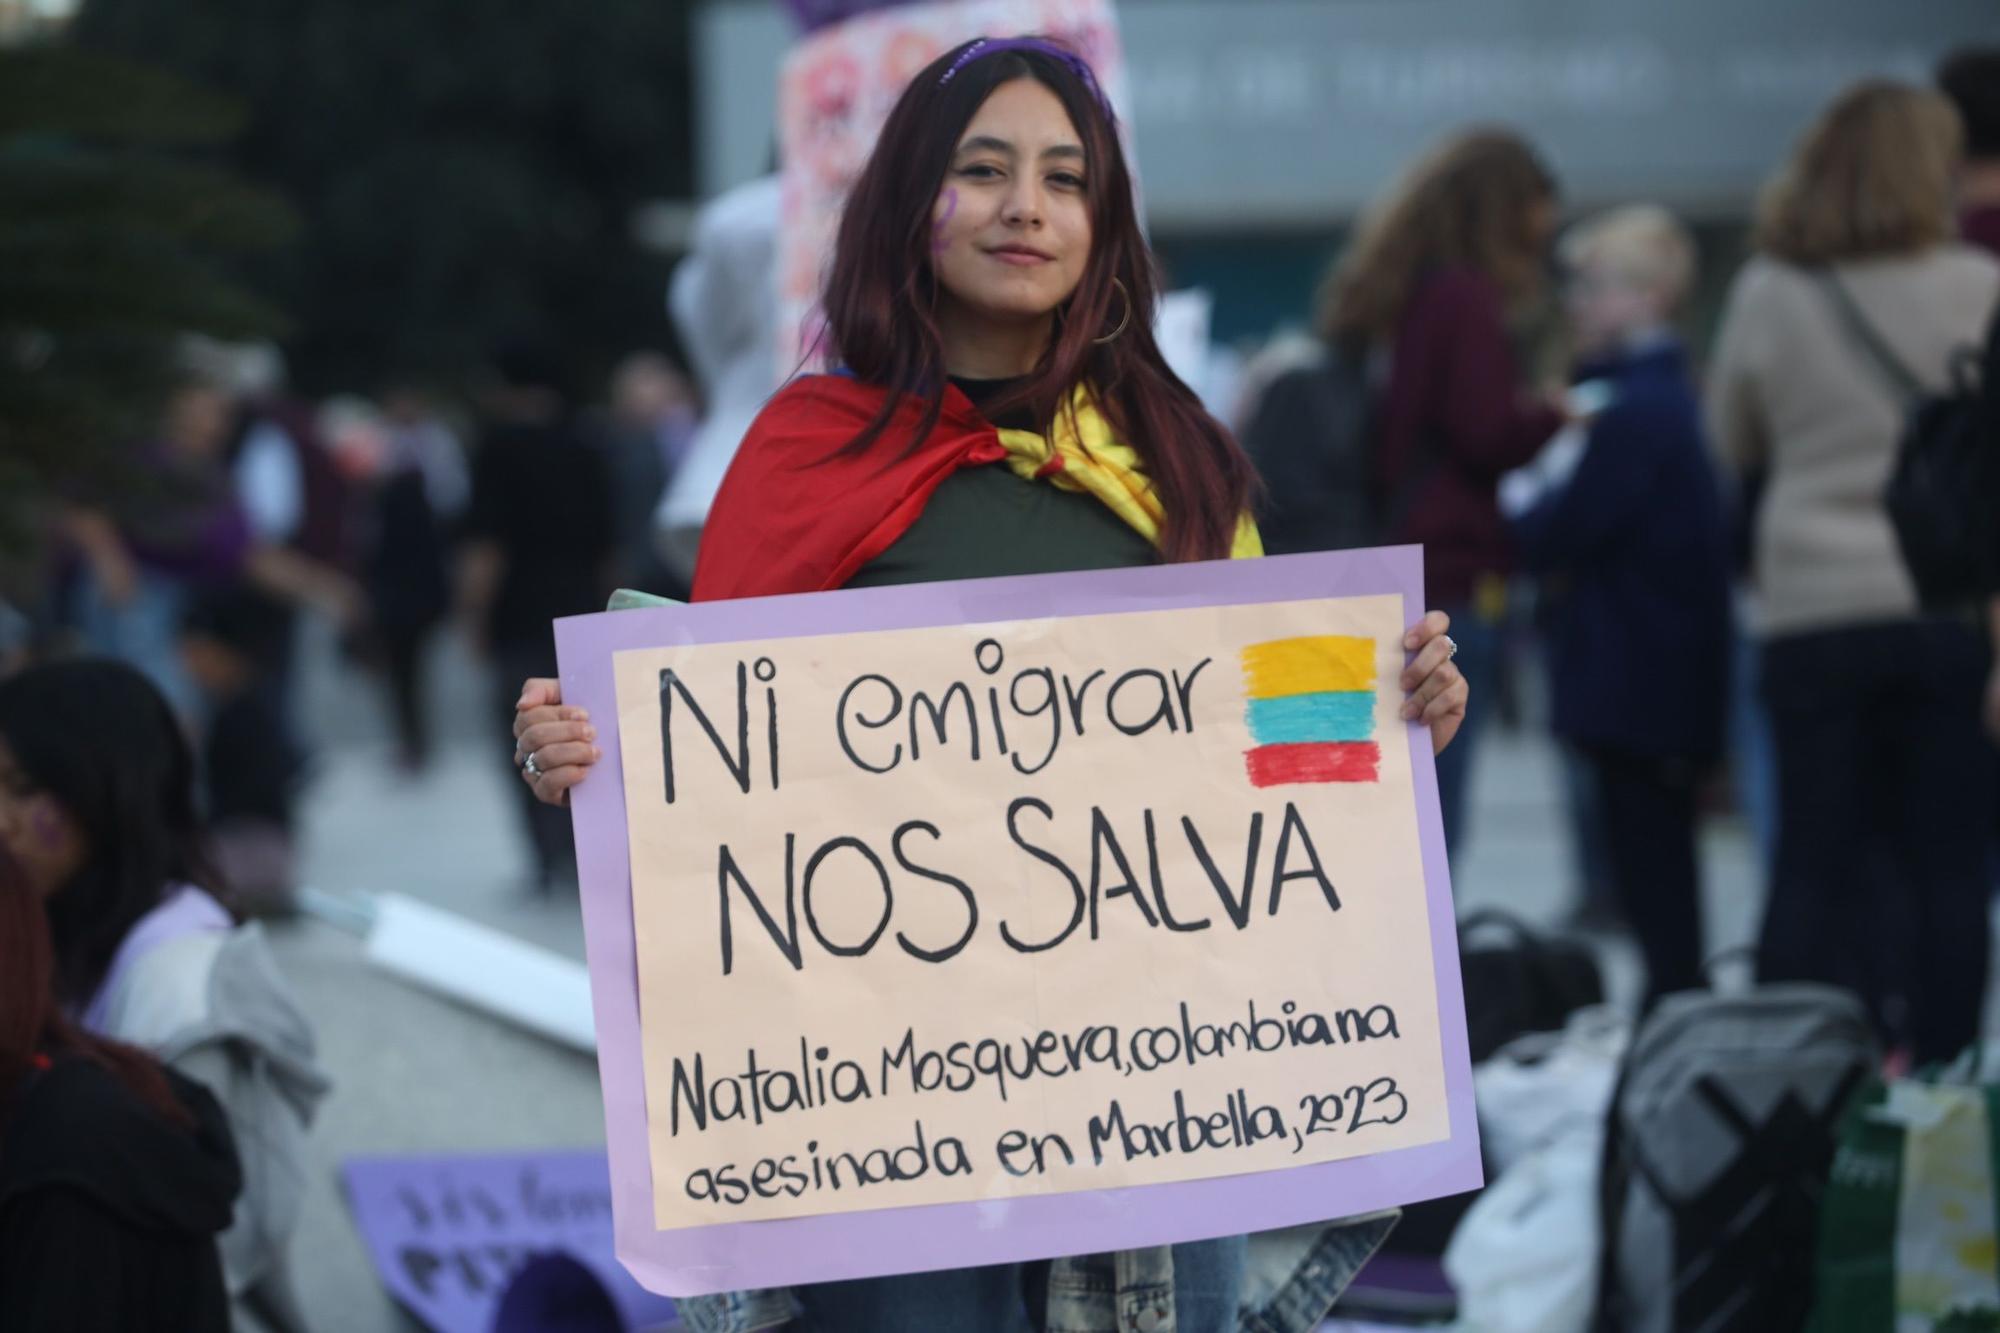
987, 46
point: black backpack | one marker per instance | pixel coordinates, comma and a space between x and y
1941, 492
1309, 438
1518, 981
1717, 1147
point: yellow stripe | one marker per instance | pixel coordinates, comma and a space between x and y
1285, 667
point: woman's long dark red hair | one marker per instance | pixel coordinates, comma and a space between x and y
33, 1027
881, 297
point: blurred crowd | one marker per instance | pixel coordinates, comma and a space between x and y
1689, 533
1699, 549
385, 518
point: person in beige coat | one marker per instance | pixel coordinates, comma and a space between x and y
1880, 883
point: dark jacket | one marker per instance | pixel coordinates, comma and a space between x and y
543, 495
1455, 415
1309, 437
1988, 477
108, 1213
405, 568
1633, 551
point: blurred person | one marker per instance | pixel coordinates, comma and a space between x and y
1305, 410
651, 427
291, 491
294, 495
989, 307
143, 560
17, 638
1285, 352
98, 807
539, 544
724, 301
1883, 777
1970, 77
1423, 295
418, 437
232, 641
1626, 527
420, 490
198, 525
116, 1174
1594, 898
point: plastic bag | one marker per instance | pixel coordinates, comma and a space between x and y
1535, 1085
1908, 1232
1524, 1260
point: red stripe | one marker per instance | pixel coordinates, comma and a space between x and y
1326, 761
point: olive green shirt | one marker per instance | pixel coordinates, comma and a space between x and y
983, 522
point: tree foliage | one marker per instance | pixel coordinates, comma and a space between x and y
112, 245
466, 173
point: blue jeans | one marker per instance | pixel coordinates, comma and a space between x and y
1881, 883
1012, 1298
1753, 763
1478, 661
144, 633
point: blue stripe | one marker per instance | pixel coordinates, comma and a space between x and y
1330, 715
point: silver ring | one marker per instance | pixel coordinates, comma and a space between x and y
1452, 644
531, 768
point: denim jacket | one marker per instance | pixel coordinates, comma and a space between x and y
1293, 1278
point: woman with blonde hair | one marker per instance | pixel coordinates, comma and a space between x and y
1859, 283
1424, 296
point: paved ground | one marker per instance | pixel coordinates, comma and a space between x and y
417, 1074
414, 1073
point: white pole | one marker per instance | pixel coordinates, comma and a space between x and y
522, 983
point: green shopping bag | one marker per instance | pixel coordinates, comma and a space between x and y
1907, 1228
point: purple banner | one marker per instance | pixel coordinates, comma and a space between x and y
453, 1238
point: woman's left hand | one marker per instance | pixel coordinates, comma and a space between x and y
1437, 690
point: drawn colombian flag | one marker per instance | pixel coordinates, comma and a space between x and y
1312, 710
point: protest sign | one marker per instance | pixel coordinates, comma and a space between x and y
1014, 918
449, 1234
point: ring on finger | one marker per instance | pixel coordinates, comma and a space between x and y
531, 768
1451, 647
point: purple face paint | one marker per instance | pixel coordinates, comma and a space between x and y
943, 221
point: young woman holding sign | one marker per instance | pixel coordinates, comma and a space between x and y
1001, 408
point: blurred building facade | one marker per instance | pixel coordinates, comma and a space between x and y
21, 20
1263, 125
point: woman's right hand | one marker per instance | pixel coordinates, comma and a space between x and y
117, 574
560, 740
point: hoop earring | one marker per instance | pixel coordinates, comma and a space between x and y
1112, 336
